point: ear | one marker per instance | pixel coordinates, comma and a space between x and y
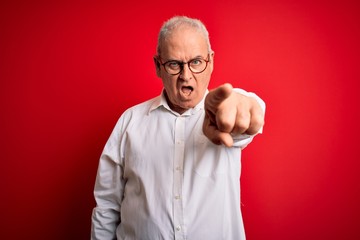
157, 66
212, 55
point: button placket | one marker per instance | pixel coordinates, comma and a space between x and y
178, 177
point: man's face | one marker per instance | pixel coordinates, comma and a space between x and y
186, 89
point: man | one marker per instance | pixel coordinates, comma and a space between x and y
171, 167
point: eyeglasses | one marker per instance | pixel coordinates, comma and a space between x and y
196, 65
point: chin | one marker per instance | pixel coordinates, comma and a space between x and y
189, 105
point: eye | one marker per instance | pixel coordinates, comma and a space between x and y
196, 62
173, 65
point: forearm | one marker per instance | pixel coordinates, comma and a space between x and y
108, 192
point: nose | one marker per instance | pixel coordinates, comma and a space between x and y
186, 74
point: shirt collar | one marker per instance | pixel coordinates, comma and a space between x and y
160, 101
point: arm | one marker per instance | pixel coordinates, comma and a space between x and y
108, 191
232, 112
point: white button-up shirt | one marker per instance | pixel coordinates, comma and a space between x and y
159, 177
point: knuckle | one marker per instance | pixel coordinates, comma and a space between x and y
225, 125
258, 119
243, 122
257, 122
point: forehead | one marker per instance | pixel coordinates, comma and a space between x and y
184, 43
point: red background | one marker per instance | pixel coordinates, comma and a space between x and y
69, 69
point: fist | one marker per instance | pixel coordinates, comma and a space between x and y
230, 113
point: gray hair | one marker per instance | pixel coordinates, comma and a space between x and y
174, 22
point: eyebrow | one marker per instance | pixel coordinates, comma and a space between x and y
175, 60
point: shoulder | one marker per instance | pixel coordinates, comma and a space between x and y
137, 112
142, 108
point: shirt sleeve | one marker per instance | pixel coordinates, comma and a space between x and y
243, 140
108, 191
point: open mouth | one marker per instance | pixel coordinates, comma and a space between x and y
187, 90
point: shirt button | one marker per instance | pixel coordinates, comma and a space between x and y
178, 168
178, 228
177, 197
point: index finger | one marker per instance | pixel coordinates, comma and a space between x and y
217, 96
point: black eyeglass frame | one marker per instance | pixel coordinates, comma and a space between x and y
183, 63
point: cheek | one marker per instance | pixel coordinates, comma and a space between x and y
204, 82
205, 78
169, 83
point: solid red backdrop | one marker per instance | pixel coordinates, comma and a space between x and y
69, 69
